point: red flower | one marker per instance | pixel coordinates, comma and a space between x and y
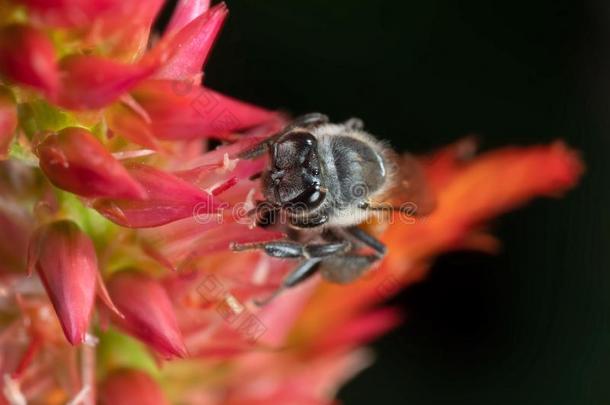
64, 258
93, 91
174, 110
28, 58
168, 199
73, 159
148, 312
130, 387
193, 31
8, 120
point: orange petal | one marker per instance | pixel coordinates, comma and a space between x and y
468, 193
480, 190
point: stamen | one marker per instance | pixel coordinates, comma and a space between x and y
81, 396
228, 164
131, 154
12, 391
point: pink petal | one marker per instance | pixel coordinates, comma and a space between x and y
8, 120
185, 12
74, 160
131, 387
123, 121
118, 28
195, 174
104, 296
68, 12
281, 314
188, 49
179, 111
90, 82
169, 199
148, 311
360, 330
65, 260
232, 150
85, 13
28, 58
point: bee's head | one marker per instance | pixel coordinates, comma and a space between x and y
294, 177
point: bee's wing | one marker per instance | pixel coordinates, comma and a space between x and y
411, 190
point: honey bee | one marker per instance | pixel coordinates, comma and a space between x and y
322, 181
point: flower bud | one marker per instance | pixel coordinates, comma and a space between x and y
64, 258
74, 160
189, 46
28, 58
90, 82
148, 312
169, 199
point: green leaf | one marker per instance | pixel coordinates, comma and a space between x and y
25, 155
117, 350
92, 222
38, 115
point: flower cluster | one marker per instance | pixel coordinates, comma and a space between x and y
107, 269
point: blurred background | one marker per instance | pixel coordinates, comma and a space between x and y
532, 324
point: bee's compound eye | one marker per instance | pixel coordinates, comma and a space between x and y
294, 149
309, 199
315, 198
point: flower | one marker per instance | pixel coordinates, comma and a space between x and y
131, 387
106, 182
8, 120
74, 160
147, 312
65, 260
29, 58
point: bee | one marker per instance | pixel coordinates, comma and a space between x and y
323, 180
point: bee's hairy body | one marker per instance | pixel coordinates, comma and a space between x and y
324, 179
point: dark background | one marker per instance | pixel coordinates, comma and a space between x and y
531, 325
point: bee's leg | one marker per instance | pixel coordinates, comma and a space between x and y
286, 249
304, 121
344, 269
367, 239
409, 209
266, 214
302, 272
